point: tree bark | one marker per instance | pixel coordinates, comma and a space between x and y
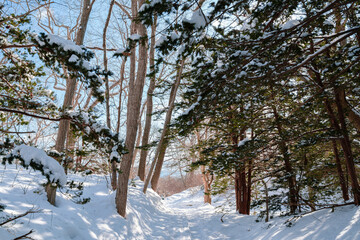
207, 180
293, 203
71, 82
348, 151
50, 193
149, 106
162, 143
113, 174
344, 189
133, 111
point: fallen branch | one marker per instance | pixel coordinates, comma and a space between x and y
20, 216
25, 236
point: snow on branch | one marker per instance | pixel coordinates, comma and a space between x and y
38, 160
54, 49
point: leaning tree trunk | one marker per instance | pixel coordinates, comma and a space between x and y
133, 112
64, 125
149, 106
71, 82
113, 164
163, 142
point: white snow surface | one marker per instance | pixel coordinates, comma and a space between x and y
181, 216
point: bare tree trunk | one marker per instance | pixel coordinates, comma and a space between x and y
64, 125
348, 151
266, 201
133, 111
293, 203
71, 82
162, 142
51, 193
122, 74
137, 145
149, 106
342, 182
113, 174
207, 180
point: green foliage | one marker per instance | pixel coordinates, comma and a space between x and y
75, 190
268, 71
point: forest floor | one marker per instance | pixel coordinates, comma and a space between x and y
181, 216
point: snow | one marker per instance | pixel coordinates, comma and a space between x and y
181, 216
242, 142
51, 167
198, 19
289, 24
135, 37
120, 51
67, 45
73, 58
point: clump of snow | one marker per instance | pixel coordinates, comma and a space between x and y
73, 58
289, 24
160, 41
120, 51
50, 166
135, 37
148, 5
242, 142
198, 19
67, 45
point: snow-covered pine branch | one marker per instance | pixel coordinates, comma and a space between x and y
55, 50
37, 159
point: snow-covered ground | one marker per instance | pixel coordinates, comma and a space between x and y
181, 216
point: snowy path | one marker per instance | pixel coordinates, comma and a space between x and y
182, 216
203, 220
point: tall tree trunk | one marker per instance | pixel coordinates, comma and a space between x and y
344, 189
162, 142
345, 145
137, 144
71, 82
162, 145
149, 106
64, 125
207, 180
348, 151
290, 176
113, 174
133, 111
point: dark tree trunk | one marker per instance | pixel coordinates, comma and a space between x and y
344, 189
348, 151
290, 176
